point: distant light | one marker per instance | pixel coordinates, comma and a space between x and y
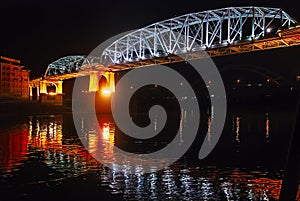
259, 85
269, 30
106, 91
238, 81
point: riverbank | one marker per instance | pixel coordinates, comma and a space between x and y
243, 98
26, 107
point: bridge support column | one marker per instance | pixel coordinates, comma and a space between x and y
30, 92
54, 97
94, 82
38, 93
111, 81
34, 89
104, 91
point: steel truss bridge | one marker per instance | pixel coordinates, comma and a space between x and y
218, 32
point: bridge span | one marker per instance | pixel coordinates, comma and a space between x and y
219, 32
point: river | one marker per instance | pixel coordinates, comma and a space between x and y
42, 157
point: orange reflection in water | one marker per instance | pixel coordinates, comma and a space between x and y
237, 131
106, 132
47, 134
108, 137
267, 188
16, 143
209, 129
267, 126
13, 147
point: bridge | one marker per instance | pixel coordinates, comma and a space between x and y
219, 32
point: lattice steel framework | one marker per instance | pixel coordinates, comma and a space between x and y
197, 31
216, 31
64, 65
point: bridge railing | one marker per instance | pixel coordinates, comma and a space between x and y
207, 30
197, 31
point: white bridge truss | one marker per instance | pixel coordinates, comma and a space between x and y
64, 65
197, 31
207, 30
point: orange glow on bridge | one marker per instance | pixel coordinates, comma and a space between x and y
94, 79
106, 92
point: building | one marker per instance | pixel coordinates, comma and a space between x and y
14, 79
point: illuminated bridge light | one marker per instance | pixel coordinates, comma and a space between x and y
208, 22
215, 39
93, 84
106, 91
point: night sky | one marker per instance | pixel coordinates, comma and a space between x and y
38, 32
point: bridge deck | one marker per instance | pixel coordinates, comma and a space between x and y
286, 38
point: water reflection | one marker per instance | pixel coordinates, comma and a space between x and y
209, 130
267, 127
237, 129
46, 134
13, 147
43, 138
236, 126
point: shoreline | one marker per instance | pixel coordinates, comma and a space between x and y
13, 107
26, 107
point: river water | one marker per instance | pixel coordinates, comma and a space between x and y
42, 157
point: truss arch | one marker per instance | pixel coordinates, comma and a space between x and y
206, 30
197, 31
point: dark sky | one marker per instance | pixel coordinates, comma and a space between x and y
39, 32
